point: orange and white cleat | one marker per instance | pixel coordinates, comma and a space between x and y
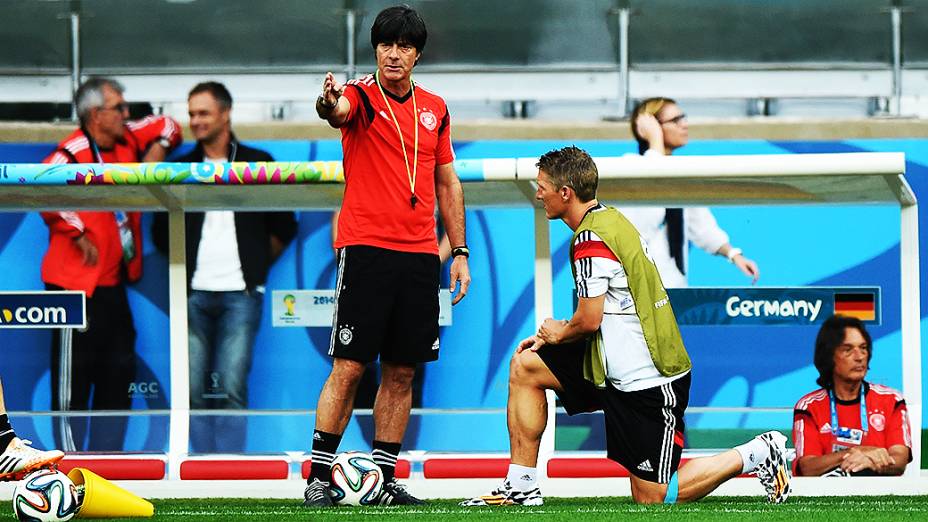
20, 458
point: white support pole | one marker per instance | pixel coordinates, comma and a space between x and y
896, 20
180, 368
544, 308
75, 18
911, 332
350, 30
624, 96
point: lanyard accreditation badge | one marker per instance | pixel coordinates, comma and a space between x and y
125, 236
122, 219
850, 436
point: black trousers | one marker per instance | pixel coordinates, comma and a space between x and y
102, 368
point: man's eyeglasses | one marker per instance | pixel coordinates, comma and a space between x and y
119, 107
674, 120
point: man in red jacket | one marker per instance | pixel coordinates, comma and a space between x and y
97, 252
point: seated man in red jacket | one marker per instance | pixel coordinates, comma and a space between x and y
98, 252
849, 426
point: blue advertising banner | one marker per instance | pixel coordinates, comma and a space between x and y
42, 310
782, 306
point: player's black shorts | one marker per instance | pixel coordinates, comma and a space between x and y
644, 429
386, 305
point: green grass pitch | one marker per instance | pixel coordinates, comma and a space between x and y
838, 509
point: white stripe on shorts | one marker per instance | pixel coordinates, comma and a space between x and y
670, 424
342, 256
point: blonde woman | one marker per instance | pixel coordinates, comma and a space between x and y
660, 127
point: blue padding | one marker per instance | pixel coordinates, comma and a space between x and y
25, 152
672, 489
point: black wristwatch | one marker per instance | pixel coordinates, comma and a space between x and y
460, 251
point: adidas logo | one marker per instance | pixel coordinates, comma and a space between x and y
525, 477
317, 436
9, 463
645, 466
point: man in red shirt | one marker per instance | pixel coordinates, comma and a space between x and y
398, 163
97, 252
849, 426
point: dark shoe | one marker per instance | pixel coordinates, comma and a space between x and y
395, 494
317, 494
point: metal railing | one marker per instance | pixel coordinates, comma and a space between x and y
618, 26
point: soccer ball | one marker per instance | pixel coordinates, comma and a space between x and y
356, 479
45, 496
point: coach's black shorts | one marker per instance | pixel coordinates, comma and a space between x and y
386, 304
644, 429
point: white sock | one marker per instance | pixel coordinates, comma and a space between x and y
752, 452
521, 478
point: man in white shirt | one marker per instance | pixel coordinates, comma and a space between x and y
229, 255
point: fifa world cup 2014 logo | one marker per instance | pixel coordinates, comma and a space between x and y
290, 303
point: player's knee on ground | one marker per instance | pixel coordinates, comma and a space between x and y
649, 495
648, 498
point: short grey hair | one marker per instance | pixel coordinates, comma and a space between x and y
90, 95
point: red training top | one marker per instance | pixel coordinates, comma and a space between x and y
63, 263
377, 210
887, 420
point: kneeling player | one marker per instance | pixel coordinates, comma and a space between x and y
622, 353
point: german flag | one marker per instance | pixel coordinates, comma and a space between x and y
861, 306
